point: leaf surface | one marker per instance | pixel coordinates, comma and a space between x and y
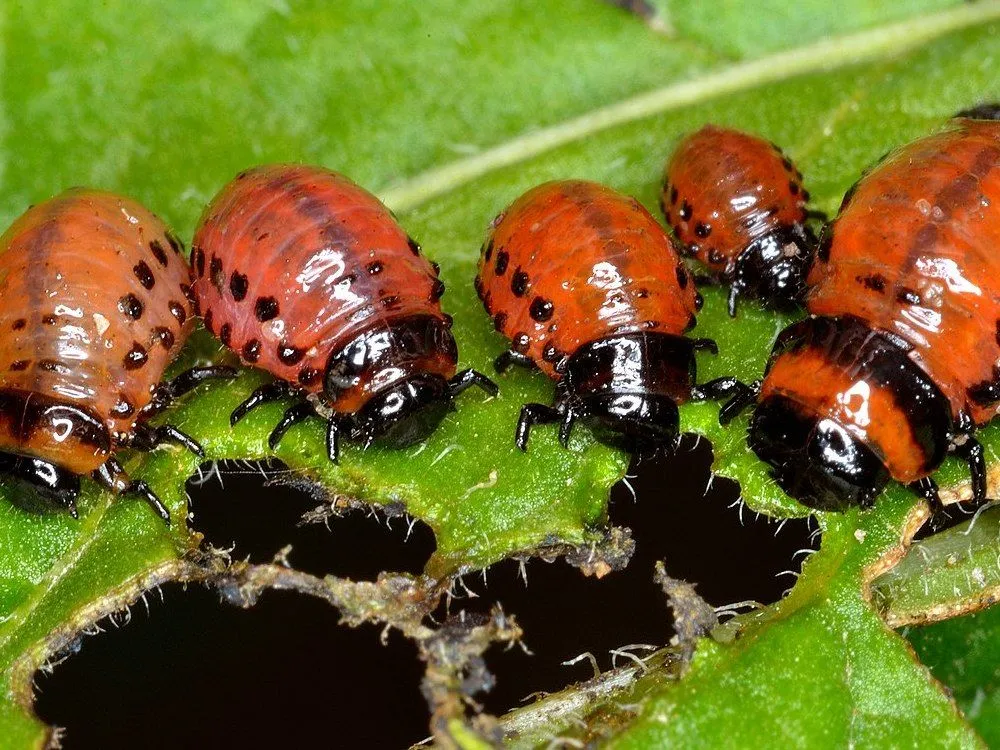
449, 110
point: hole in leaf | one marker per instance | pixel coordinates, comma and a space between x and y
698, 535
286, 672
200, 673
242, 504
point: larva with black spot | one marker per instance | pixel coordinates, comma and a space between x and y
898, 363
95, 308
305, 274
737, 204
589, 289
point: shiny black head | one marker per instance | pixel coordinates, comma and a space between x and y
627, 387
48, 486
405, 413
816, 461
773, 268
404, 353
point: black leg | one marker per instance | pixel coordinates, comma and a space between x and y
739, 402
65, 501
817, 215
566, 427
941, 515
705, 345
740, 395
169, 433
971, 450
146, 438
503, 363
293, 415
532, 414
142, 489
191, 379
735, 290
467, 378
188, 380
275, 391
112, 476
927, 489
715, 390
333, 439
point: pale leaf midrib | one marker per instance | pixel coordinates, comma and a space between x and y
827, 54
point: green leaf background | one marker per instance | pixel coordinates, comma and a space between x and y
449, 110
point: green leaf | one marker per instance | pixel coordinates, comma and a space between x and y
964, 654
449, 110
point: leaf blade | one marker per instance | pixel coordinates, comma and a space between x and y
294, 85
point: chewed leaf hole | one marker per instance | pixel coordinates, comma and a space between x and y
256, 509
731, 554
269, 676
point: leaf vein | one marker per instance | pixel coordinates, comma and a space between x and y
827, 54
